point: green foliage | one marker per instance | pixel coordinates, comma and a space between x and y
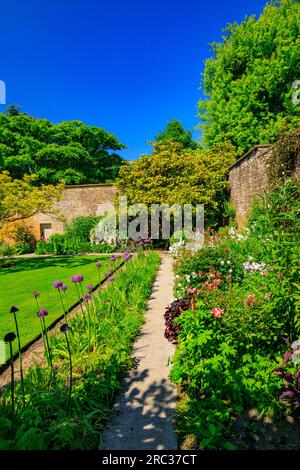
244, 291
20, 198
6, 250
63, 244
25, 241
285, 155
45, 422
69, 151
248, 80
80, 227
175, 132
174, 175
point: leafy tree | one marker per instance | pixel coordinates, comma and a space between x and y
71, 151
175, 175
176, 132
248, 80
20, 199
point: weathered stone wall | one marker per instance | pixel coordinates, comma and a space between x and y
87, 199
248, 177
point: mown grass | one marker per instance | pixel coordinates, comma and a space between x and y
38, 274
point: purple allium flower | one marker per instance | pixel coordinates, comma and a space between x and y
90, 287
36, 293
98, 264
64, 328
14, 309
133, 248
77, 278
106, 274
111, 270
110, 279
112, 258
86, 296
42, 313
118, 256
64, 287
57, 284
9, 337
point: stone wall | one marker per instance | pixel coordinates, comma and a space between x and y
248, 178
86, 199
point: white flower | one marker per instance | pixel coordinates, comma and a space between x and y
222, 263
228, 262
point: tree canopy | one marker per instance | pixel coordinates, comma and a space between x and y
20, 199
248, 80
71, 150
175, 175
176, 132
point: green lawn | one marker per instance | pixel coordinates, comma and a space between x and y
18, 282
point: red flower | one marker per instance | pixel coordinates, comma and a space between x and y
280, 276
250, 300
192, 290
217, 312
200, 273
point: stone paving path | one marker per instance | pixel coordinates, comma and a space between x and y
145, 409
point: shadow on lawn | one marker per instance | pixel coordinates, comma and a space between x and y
30, 264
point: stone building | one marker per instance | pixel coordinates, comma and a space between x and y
85, 199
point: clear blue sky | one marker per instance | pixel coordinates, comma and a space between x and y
126, 65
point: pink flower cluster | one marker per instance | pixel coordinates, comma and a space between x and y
217, 312
212, 285
192, 290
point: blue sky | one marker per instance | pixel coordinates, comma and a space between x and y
128, 66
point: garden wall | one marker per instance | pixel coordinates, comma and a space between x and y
248, 177
86, 199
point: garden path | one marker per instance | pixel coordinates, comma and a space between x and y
145, 409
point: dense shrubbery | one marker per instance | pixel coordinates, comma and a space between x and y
80, 227
100, 339
25, 241
61, 244
76, 239
243, 301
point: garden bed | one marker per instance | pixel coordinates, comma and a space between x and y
237, 329
100, 342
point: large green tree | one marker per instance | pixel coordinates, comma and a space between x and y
71, 151
248, 80
176, 132
175, 175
